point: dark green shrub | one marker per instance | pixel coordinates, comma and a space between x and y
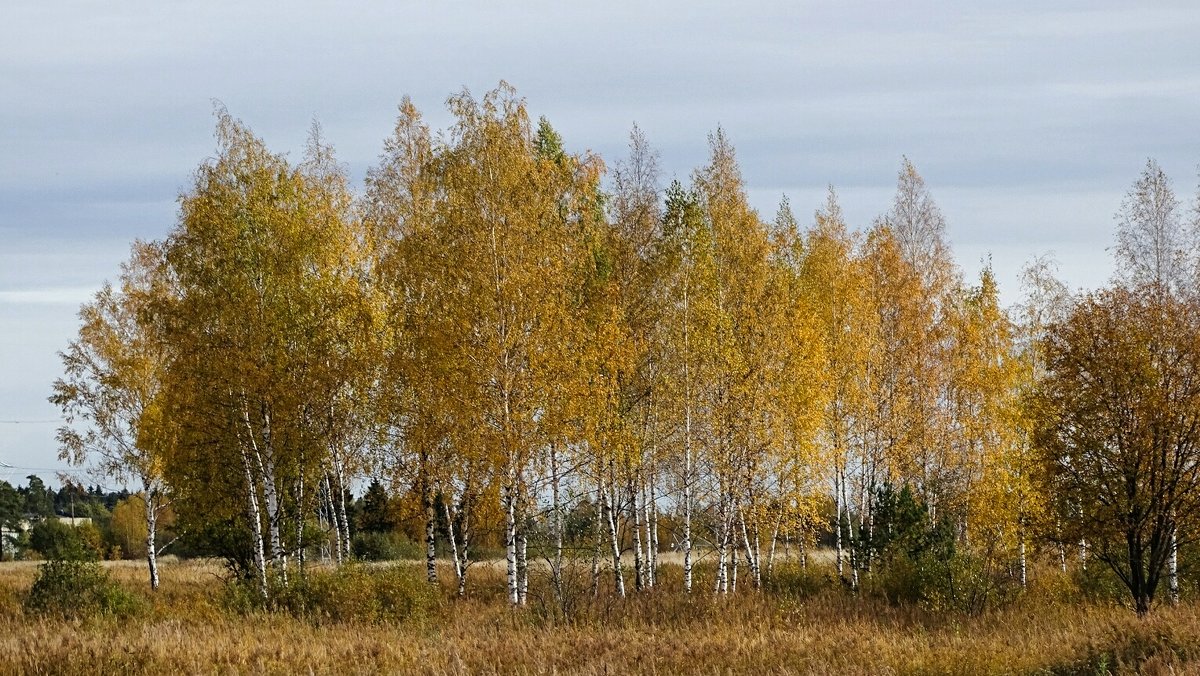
73, 588
912, 556
385, 547
54, 539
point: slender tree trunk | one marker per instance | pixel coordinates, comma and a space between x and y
458, 573
618, 575
653, 548
463, 533
639, 579
556, 521
252, 501
337, 524
733, 565
687, 447
722, 583
278, 555
599, 542
1173, 568
510, 540
1023, 564
323, 522
687, 504
751, 546
838, 506
256, 527
430, 540
522, 565
300, 509
151, 532
774, 539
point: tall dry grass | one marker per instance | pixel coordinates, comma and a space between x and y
191, 627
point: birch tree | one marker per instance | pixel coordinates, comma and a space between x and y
110, 393
507, 214
1154, 244
690, 335
270, 306
833, 279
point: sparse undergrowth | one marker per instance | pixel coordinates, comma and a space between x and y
368, 619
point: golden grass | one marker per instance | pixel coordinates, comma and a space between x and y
187, 628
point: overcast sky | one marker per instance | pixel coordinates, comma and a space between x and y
1028, 120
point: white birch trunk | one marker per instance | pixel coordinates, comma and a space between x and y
460, 554
510, 542
430, 538
1023, 564
300, 507
337, 524
722, 583
278, 555
639, 574
771, 551
151, 532
733, 572
522, 565
653, 533
556, 521
615, 545
838, 479
1173, 569
342, 514
256, 527
751, 546
252, 506
687, 447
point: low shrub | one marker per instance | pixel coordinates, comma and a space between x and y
72, 588
385, 547
792, 581
384, 595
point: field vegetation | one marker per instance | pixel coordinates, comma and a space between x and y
386, 618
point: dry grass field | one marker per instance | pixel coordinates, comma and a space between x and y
194, 625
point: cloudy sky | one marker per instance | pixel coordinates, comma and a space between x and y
1029, 120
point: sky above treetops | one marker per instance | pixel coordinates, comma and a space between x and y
1028, 120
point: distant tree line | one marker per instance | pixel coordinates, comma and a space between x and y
536, 359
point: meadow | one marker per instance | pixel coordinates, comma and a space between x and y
385, 618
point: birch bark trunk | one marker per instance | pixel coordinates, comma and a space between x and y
639, 580
615, 545
510, 542
151, 532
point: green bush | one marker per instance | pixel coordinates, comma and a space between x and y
72, 588
389, 595
909, 553
54, 539
385, 547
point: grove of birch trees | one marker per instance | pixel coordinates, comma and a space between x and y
589, 366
